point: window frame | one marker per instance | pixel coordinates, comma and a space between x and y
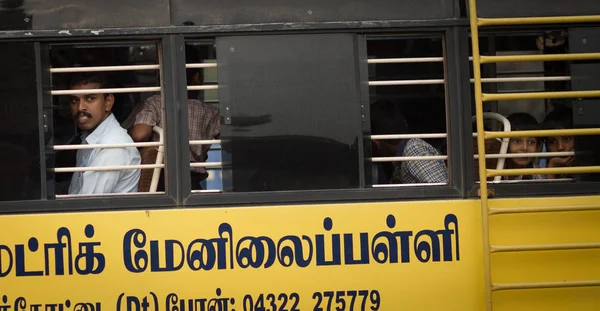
455, 129
546, 189
167, 46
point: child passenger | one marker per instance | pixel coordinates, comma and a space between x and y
523, 122
558, 119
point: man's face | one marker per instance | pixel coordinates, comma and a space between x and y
89, 110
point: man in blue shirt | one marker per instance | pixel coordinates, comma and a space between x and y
92, 114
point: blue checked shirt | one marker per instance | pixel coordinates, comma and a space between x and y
416, 172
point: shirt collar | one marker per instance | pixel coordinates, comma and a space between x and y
95, 136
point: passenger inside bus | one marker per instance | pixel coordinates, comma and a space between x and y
386, 118
522, 121
93, 116
203, 120
559, 118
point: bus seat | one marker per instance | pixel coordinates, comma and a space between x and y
151, 155
493, 146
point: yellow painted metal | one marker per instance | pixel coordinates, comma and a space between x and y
481, 152
544, 133
543, 247
539, 95
538, 20
539, 58
542, 171
543, 209
513, 286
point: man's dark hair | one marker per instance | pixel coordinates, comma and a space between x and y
386, 118
522, 121
81, 78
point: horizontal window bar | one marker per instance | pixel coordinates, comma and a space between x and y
405, 60
543, 133
528, 155
107, 91
409, 185
407, 82
523, 79
205, 142
544, 171
201, 65
106, 168
529, 181
129, 194
539, 95
106, 146
202, 87
407, 136
512, 286
542, 209
543, 247
206, 164
104, 68
416, 158
207, 191
538, 20
538, 58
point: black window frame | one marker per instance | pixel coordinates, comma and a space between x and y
522, 189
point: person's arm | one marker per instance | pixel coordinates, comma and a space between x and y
97, 182
140, 132
559, 162
426, 171
148, 117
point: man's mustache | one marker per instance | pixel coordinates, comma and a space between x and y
82, 114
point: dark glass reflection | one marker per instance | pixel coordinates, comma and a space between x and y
19, 129
291, 112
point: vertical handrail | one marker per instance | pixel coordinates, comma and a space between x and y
159, 159
483, 191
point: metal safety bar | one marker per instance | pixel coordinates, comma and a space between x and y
538, 95
105, 168
201, 65
104, 68
106, 146
483, 80
481, 97
408, 185
407, 136
544, 133
415, 158
548, 170
528, 155
543, 247
536, 20
564, 284
538, 58
542, 209
107, 91
128, 194
207, 164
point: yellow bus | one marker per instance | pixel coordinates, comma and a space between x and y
300, 155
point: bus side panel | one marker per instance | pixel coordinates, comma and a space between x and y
384, 256
70, 14
570, 227
535, 8
228, 12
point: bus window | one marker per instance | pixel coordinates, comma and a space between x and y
20, 170
536, 114
127, 119
290, 113
204, 118
407, 111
